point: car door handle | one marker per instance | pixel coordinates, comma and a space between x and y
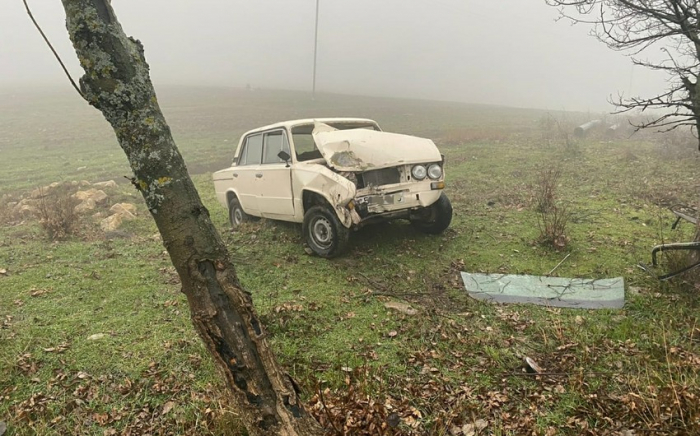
235, 174
258, 175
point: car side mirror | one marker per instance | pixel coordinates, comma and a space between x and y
284, 156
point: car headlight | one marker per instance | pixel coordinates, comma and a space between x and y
435, 171
419, 172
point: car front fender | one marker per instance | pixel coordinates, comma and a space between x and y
334, 188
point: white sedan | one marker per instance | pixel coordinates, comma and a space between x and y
334, 175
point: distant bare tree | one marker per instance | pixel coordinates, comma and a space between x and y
635, 26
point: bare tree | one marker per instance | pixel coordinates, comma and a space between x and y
117, 82
634, 26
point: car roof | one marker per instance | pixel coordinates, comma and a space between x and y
292, 123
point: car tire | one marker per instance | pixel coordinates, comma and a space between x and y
236, 215
323, 232
437, 217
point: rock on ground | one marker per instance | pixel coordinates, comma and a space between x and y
104, 185
98, 196
86, 206
111, 223
127, 208
26, 207
43, 191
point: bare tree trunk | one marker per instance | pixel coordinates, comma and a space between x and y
117, 82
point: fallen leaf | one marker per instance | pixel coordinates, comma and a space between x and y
96, 336
468, 430
392, 333
400, 307
60, 348
38, 292
167, 407
531, 366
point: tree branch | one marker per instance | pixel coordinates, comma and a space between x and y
58, 58
633, 26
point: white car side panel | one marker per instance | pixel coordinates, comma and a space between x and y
274, 191
243, 178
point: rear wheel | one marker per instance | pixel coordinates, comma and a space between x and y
435, 218
324, 233
236, 215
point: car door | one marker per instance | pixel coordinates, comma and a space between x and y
245, 172
273, 180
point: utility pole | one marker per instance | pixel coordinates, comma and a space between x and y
313, 93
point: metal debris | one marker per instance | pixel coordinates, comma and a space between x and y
685, 246
584, 129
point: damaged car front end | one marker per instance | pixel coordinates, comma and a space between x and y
396, 176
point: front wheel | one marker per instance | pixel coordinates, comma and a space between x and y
236, 215
324, 233
435, 218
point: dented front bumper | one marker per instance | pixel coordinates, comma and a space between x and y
389, 202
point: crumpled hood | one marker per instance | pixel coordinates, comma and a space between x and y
364, 149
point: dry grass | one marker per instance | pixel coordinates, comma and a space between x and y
7, 215
56, 213
452, 369
552, 215
473, 135
558, 131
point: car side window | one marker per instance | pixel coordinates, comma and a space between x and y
275, 142
252, 151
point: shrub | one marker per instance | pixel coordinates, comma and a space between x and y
552, 216
557, 131
6, 213
56, 213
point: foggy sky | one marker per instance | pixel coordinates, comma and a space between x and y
505, 52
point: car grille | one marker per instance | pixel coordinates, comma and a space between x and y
384, 176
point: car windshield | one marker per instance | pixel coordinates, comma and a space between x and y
304, 145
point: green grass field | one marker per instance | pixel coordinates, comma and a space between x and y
95, 336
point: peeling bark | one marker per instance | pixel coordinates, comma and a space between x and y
117, 83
